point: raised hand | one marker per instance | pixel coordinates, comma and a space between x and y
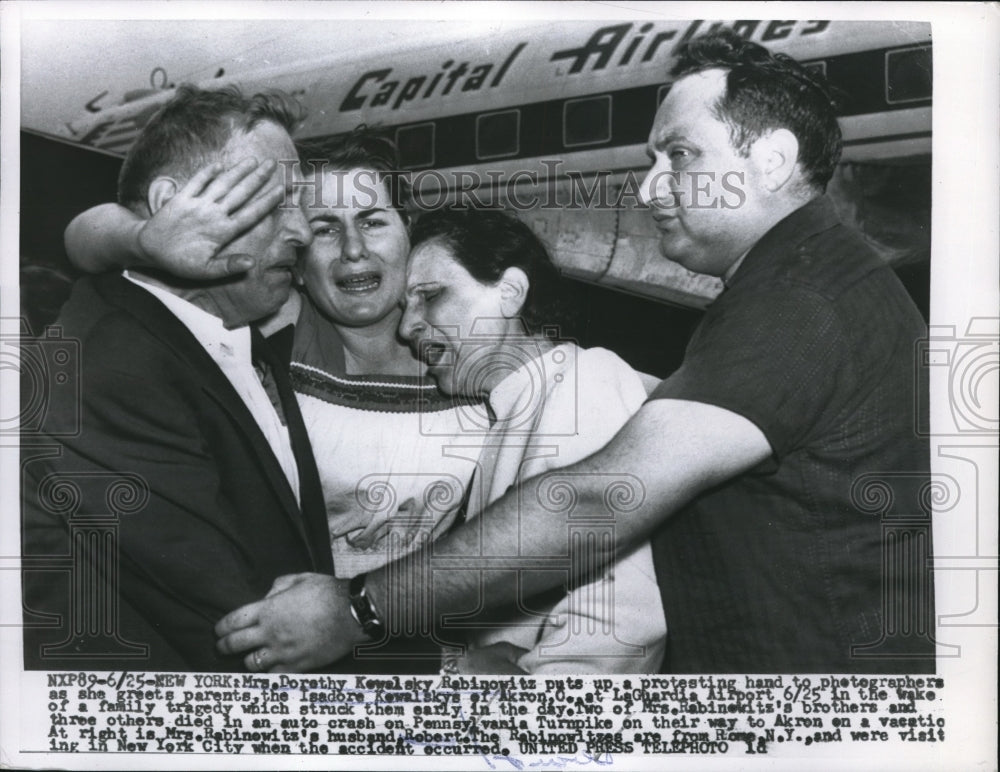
188, 233
186, 237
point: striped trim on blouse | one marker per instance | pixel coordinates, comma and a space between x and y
383, 393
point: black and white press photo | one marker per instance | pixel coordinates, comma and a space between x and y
552, 384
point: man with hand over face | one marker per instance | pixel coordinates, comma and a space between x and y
180, 399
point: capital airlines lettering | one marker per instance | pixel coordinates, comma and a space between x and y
373, 89
604, 43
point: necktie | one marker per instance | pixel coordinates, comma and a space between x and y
311, 498
266, 376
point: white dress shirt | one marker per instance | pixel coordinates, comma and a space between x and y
231, 351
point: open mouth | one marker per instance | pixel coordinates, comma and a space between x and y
360, 282
432, 352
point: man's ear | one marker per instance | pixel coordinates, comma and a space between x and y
161, 190
777, 156
514, 287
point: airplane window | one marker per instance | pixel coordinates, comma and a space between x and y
416, 145
587, 121
908, 75
497, 134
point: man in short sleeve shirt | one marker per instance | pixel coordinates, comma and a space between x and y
812, 341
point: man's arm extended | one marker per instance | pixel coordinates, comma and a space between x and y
187, 234
674, 448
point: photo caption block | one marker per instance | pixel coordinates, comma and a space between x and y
502, 719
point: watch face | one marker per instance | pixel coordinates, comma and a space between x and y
363, 610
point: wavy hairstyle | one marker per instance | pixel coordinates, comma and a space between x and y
192, 129
362, 148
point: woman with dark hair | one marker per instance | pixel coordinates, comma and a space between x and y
481, 295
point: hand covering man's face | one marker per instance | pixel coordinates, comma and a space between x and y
272, 241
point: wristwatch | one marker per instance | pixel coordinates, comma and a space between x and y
363, 610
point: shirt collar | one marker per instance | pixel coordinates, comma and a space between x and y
224, 346
814, 216
728, 275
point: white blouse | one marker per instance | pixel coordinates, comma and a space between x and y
378, 441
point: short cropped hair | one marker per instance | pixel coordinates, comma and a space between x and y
362, 148
192, 129
766, 91
486, 242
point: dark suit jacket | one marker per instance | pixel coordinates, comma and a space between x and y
220, 522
